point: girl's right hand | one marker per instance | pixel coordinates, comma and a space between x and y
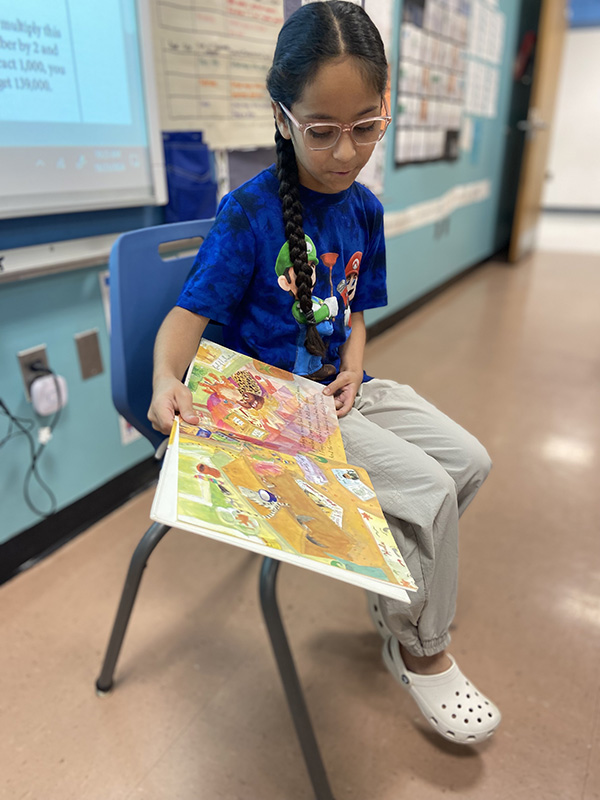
170, 397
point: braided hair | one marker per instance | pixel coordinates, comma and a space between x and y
314, 34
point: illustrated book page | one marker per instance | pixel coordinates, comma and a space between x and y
243, 398
281, 486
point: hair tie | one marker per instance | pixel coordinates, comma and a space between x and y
310, 317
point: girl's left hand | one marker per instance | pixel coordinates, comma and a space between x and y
344, 389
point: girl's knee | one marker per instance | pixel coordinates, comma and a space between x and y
439, 497
480, 462
472, 462
475, 472
442, 482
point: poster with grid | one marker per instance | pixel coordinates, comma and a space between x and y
431, 80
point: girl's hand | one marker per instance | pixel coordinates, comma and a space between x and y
170, 397
344, 389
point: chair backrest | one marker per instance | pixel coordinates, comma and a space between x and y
144, 287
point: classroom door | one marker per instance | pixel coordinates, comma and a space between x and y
548, 56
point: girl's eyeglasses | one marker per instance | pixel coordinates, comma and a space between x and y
323, 135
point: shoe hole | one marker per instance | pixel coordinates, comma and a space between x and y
434, 720
466, 721
478, 719
471, 710
380, 624
458, 705
443, 705
471, 738
489, 713
453, 716
450, 733
469, 696
486, 702
479, 706
467, 682
457, 694
375, 608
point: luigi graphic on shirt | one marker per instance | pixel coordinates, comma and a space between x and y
307, 364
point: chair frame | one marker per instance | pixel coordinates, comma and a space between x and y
269, 569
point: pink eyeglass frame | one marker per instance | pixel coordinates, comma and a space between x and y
304, 126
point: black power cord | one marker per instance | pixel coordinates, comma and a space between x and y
24, 427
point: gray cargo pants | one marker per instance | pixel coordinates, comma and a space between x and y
425, 470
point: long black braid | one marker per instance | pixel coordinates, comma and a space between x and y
287, 173
314, 34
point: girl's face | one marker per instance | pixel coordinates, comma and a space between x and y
338, 93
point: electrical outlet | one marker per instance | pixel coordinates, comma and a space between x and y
88, 349
26, 359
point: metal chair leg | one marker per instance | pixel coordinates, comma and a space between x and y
132, 582
289, 678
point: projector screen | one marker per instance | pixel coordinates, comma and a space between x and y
78, 119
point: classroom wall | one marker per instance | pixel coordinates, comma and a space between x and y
86, 450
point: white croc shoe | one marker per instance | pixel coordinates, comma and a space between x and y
448, 701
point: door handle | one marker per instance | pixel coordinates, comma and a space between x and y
530, 126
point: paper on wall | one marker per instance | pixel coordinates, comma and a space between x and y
211, 64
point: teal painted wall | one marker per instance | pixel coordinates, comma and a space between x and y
86, 450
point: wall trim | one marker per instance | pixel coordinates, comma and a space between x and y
431, 211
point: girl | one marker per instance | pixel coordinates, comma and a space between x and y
294, 258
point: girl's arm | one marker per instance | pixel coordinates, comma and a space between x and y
176, 344
349, 379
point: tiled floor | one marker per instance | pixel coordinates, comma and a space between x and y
197, 713
569, 231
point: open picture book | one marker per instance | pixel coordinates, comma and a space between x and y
265, 470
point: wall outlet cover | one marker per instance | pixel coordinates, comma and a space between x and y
88, 350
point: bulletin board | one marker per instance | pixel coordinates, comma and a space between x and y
431, 80
448, 68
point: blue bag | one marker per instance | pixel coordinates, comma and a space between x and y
190, 177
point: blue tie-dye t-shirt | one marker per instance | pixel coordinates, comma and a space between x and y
239, 277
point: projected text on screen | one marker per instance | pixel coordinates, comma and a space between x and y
74, 129
51, 72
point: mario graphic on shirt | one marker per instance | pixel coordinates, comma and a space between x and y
307, 364
347, 287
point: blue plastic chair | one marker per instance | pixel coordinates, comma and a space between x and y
143, 288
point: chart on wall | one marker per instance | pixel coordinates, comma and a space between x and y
486, 48
211, 61
448, 73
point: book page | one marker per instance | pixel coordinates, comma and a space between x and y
320, 513
243, 398
265, 470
